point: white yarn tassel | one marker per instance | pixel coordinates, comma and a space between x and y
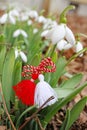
43, 92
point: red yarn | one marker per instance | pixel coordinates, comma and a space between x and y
25, 91
35, 76
46, 65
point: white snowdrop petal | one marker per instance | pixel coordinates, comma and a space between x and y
24, 33
47, 24
33, 14
29, 22
17, 33
79, 47
61, 44
68, 46
3, 18
16, 53
58, 34
24, 18
12, 19
42, 19
35, 30
44, 33
23, 56
14, 12
49, 34
69, 36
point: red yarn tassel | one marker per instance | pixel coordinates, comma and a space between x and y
25, 90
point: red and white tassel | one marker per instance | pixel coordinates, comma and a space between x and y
43, 92
25, 90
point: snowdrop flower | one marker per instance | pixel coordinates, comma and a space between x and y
12, 19
24, 18
14, 12
35, 30
49, 24
21, 54
41, 19
16, 53
20, 32
79, 47
43, 92
56, 34
69, 36
60, 32
3, 18
63, 45
33, 14
29, 22
7, 18
44, 33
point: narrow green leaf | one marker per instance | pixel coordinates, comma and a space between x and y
66, 121
2, 38
55, 57
17, 72
72, 82
16, 76
75, 111
2, 57
60, 66
7, 76
63, 92
27, 110
55, 107
36, 59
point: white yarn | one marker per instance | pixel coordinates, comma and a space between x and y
43, 92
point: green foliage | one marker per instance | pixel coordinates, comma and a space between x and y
7, 75
2, 57
60, 70
24, 113
52, 110
72, 82
73, 114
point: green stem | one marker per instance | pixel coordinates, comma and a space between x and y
76, 55
52, 51
78, 35
63, 14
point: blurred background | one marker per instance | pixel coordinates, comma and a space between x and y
49, 5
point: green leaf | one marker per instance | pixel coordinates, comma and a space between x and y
55, 57
16, 76
2, 38
24, 113
58, 105
36, 59
7, 76
66, 121
2, 57
60, 66
72, 82
17, 72
63, 92
75, 112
